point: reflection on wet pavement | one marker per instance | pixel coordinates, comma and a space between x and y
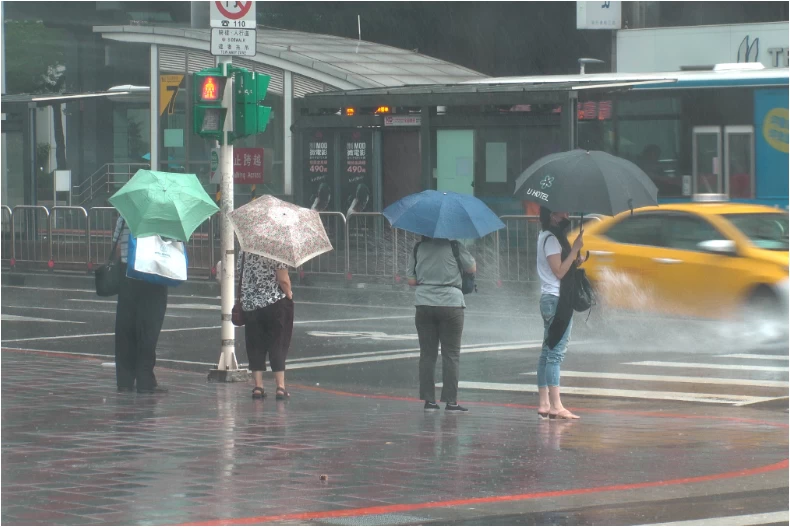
76, 452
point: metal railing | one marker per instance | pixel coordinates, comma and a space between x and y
69, 229
7, 247
106, 179
30, 234
365, 245
333, 262
101, 224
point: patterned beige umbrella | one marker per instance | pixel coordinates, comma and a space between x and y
280, 230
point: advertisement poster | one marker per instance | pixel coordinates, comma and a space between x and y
318, 174
247, 166
356, 182
771, 144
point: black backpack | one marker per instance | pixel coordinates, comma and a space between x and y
467, 279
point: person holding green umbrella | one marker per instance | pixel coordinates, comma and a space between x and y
151, 203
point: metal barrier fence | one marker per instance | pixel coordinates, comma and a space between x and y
365, 245
333, 262
370, 245
7, 246
101, 222
30, 234
70, 231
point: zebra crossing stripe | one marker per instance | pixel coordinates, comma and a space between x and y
709, 366
671, 379
755, 356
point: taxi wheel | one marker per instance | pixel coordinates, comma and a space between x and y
763, 300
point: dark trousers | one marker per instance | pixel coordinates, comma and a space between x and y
268, 330
138, 321
437, 325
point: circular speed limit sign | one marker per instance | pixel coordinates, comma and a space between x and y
232, 14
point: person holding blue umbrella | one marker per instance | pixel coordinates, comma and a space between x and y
436, 268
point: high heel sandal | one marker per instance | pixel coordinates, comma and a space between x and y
543, 415
258, 393
281, 394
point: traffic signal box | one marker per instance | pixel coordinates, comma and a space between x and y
208, 114
249, 91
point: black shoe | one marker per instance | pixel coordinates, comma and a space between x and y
155, 389
455, 407
125, 389
430, 405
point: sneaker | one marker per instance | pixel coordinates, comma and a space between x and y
430, 405
455, 407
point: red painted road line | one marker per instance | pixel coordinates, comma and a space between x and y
407, 507
64, 355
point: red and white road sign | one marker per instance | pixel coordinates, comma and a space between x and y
232, 14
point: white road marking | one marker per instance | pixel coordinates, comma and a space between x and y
755, 356
17, 318
670, 378
350, 319
318, 362
709, 366
746, 519
67, 309
108, 356
102, 334
464, 348
738, 400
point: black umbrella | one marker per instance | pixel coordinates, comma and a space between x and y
587, 182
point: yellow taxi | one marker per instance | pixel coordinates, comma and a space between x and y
700, 259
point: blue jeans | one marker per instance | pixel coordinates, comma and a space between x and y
550, 359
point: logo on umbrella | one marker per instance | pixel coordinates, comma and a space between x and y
546, 182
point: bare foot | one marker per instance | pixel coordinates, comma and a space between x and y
563, 414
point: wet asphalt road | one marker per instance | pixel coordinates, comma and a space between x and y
367, 344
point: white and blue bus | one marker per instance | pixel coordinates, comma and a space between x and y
718, 130
721, 131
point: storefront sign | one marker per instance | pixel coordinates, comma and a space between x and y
598, 15
319, 178
402, 120
356, 178
247, 166
168, 89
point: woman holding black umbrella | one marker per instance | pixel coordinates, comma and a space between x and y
557, 259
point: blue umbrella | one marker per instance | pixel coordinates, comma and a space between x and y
443, 215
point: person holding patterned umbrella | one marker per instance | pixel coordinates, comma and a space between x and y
273, 236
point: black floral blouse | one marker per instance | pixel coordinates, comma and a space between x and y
259, 286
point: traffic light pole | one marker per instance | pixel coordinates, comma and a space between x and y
228, 368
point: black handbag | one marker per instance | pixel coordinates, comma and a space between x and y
108, 276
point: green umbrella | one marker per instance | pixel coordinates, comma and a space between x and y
164, 203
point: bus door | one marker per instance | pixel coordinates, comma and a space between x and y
706, 159
723, 160
739, 161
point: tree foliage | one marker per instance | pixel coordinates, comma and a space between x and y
35, 57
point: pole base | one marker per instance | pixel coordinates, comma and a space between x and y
215, 375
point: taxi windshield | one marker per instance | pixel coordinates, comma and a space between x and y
766, 231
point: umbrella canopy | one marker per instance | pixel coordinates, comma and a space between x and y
587, 182
280, 230
443, 215
164, 203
